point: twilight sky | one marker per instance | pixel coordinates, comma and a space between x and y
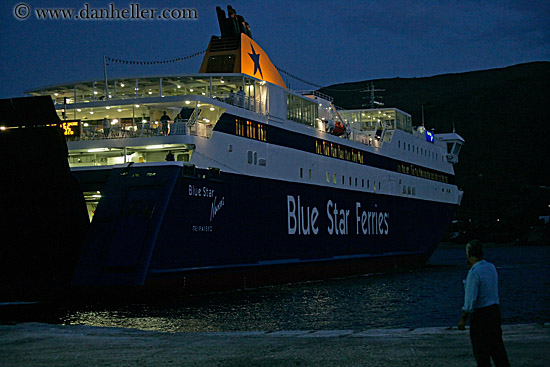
325, 42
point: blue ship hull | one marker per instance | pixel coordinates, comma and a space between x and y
174, 225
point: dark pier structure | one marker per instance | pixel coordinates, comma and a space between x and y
43, 216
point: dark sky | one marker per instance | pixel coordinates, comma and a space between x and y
325, 42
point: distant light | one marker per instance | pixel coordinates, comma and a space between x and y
154, 147
86, 124
115, 121
211, 108
222, 81
150, 92
97, 150
56, 94
190, 89
137, 106
187, 102
91, 112
179, 86
119, 109
95, 91
122, 84
78, 110
107, 107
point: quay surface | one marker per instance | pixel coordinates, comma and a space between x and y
38, 344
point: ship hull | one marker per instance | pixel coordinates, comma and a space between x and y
199, 230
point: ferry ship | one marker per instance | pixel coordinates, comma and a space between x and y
229, 179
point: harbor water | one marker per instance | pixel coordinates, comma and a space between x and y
429, 297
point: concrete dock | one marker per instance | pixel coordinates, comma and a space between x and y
37, 344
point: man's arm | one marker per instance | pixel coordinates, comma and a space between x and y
470, 295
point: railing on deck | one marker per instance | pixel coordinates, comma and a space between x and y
147, 129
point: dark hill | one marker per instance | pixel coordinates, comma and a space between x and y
504, 116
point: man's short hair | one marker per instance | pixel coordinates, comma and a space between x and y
475, 248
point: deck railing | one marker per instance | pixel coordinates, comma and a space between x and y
146, 129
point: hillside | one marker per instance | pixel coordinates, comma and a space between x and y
504, 116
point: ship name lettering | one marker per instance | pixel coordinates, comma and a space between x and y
301, 220
371, 222
216, 207
204, 191
338, 219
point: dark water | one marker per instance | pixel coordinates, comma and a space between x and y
428, 297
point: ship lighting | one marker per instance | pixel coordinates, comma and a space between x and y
154, 146
95, 150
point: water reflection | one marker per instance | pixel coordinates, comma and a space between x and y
428, 297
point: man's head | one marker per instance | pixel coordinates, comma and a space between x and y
474, 251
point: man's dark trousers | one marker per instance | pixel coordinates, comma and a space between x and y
486, 337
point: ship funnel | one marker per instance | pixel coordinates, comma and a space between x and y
236, 52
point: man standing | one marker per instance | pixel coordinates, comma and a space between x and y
481, 303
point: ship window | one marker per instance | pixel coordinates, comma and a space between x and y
355, 181
255, 157
414, 191
399, 144
343, 179
404, 189
310, 174
350, 180
368, 184
457, 149
301, 172
334, 178
362, 182
328, 177
249, 157
374, 185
